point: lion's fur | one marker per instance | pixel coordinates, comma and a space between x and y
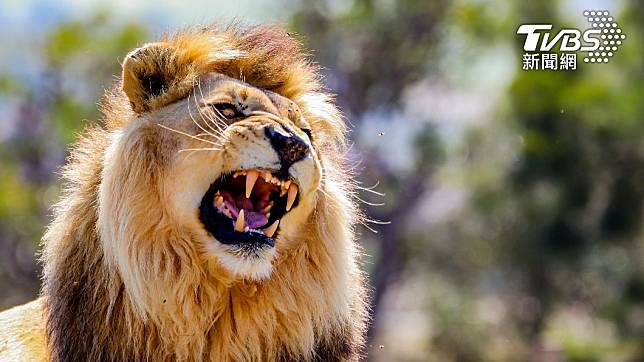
123, 281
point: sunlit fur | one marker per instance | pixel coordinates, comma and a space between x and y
130, 274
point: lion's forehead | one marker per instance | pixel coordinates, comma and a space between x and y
221, 88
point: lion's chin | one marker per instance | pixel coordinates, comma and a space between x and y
252, 262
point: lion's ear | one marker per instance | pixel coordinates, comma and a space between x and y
155, 75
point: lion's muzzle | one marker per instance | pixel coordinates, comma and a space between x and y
289, 147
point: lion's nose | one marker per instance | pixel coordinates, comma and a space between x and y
289, 147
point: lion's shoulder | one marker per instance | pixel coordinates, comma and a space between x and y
22, 333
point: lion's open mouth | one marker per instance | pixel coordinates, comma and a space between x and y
246, 206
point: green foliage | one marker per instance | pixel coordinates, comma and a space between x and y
80, 59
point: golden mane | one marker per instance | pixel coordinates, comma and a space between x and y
183, 308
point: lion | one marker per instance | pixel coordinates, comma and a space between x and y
209, 216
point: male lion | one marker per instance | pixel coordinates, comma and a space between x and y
209, 217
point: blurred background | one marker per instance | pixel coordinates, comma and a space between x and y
515, 197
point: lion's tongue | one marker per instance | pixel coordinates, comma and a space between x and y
253, 219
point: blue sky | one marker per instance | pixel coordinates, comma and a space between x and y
38, 15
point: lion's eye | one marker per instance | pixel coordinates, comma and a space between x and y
226, 110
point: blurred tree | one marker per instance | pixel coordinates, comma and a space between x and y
78, 60
555, 232
375, 51
565, 219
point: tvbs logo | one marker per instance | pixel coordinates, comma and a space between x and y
600, 42
569, 39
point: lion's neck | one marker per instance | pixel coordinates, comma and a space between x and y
90, 316
294, 314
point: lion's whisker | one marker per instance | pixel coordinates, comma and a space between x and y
195, 150
369, 227
369, 203
195, 121
218, 122
200, 149
207, 121
370, 189
377, 222
186, 134
218, 117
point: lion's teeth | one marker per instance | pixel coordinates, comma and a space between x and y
268, 207
292, 193
239, 224
270, 231
284, 187
235, 174
267, 176
251, 177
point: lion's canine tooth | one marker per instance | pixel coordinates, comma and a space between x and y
285, 185
292, 193
239, 224
270, 231
251, 177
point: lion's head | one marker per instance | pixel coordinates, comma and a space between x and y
213, 209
